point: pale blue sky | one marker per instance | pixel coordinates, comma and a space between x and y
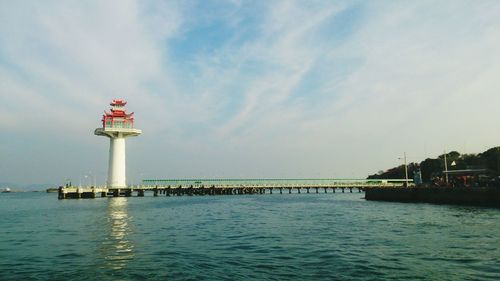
245, 88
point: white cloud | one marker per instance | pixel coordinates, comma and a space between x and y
77, 56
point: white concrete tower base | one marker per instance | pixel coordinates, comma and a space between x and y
116, 168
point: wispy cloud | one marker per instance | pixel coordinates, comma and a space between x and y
73, 57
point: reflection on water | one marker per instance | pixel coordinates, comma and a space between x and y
117, 249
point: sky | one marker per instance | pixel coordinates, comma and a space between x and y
245, 89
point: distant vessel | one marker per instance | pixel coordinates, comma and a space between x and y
6, 190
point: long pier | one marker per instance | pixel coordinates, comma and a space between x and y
191, 187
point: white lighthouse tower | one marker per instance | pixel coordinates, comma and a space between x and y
117, 125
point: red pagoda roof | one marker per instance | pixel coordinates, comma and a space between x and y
118, 102
118, 110
118, 113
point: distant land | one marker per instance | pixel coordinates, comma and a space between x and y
28, 187
430, 168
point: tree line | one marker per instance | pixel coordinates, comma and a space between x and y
434, 167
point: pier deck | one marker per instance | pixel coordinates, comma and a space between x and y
184, 188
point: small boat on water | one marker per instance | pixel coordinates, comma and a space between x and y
6, 190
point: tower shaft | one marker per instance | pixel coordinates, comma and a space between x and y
116, 167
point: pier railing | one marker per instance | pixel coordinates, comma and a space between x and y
300, 181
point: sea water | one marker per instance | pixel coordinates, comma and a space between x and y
332, 236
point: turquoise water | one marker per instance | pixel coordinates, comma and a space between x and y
256, 237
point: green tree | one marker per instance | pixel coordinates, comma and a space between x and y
491, 159
431, 168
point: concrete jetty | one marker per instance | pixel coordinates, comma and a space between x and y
476, 196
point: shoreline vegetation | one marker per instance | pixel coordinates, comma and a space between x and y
463, 170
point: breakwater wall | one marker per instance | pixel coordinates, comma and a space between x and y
477, 196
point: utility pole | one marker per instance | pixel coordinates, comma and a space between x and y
406, 170
445, 168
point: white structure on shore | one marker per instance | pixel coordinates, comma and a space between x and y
117, 125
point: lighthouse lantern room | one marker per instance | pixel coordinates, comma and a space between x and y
117, 125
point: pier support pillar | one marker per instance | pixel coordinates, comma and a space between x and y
61, 194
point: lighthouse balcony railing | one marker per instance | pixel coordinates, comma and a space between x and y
119, 129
